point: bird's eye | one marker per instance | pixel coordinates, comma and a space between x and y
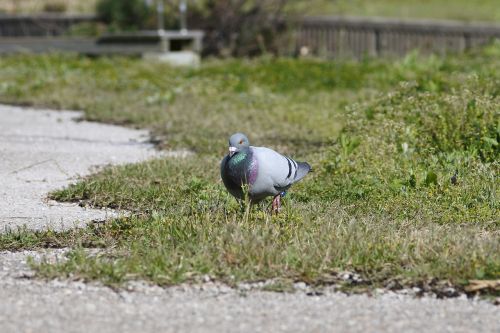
241, 142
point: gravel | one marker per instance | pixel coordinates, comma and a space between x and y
44, 150
72, 306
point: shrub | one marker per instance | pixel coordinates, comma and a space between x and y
239, 27
55, 7
123, 14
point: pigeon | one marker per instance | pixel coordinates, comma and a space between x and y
261, 170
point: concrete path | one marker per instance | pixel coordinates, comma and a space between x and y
44, 150
62, 306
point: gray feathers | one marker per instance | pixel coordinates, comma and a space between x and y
266, 172
303, 169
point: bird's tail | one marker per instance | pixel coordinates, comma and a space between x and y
303, 168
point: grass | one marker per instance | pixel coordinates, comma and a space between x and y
463, 10
36, 6
478, 10
194, 107
385, 139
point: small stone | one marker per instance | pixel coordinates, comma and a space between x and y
315, 291
300, 286
449, 292
417, 291
244, 286
346, 276
356, 278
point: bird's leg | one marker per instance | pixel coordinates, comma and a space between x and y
276, 204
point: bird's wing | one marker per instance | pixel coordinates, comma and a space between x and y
282, 170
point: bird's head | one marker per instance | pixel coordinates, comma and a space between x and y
237, 142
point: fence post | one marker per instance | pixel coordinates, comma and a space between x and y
378, 42
467, 41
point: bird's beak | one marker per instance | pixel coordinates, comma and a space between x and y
232, 151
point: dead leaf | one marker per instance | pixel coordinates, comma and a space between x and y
477, 285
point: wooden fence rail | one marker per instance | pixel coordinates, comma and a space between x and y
329, 37
39, 25
334, 37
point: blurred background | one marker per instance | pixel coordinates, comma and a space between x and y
474, 10
326, 28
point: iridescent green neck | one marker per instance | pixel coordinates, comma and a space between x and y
239, 157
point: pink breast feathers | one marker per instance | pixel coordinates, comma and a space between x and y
254, 170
